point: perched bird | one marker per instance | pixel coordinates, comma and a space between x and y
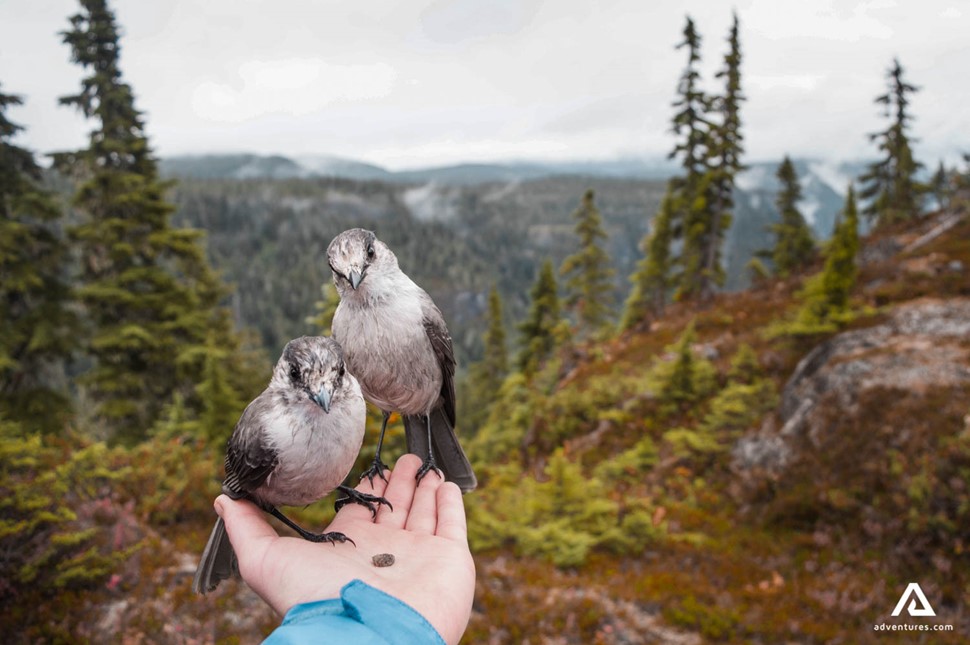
293, 445
398, 347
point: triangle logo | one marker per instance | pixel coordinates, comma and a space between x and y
924, 608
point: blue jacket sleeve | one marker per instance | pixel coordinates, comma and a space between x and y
362, 615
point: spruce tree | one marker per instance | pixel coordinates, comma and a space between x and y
588, 273
495, 362
538, 330
745, 368
826, 294
690, 122
220, 398
839, 274
890, 187
725, 163
681, 384
694, 189
149, 295
794, 245
325, 308
652, 279
941, 186
487, 375
36, 325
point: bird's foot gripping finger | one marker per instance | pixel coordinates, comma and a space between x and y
429, 465
364, 499
333, 537
376, 469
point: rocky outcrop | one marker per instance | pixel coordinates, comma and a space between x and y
924, 345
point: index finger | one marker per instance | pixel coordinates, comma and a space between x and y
356, 512
452, 523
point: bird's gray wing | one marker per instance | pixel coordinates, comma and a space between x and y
437, 331
448, 451
248, 461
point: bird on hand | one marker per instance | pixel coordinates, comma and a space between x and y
398, 346
293, 445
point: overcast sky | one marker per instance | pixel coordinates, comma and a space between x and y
407, 83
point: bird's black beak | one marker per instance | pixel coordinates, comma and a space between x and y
355, 278
322, 398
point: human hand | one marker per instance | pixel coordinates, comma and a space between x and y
426, 533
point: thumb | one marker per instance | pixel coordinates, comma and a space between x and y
246, 525
251, 537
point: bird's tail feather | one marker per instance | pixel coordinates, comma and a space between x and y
447, 451
218, 561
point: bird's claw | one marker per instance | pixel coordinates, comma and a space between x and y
428, 466
332, 537
376, 469
364, 499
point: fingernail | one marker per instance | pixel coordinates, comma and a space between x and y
218, 506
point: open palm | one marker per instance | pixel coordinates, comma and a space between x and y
426, 532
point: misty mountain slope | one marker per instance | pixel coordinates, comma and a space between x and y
456, 231
231, 166
269, 237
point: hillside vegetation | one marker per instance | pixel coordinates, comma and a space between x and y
667, 485
737, 486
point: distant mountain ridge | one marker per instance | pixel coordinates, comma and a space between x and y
269, 218
248, 166
823, 183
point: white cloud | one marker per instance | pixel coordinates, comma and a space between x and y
430, 81
801, 82
293, 86
821, 19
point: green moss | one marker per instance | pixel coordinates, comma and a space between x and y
711, 621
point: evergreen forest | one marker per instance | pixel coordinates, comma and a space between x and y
698, 412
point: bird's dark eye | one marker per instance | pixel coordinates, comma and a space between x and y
370, 251
294, 372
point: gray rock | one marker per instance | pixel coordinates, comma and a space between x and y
922, 346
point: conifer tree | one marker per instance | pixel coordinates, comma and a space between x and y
694, 191
35, 322
745, 368
690, 121
941, 186
220, 398
794, 245
495, 362
149, 295
826, 294
681, 383
725, 163
538, 330
487, 375
588, 273
890, 187
326, 307
839, 274
652, 279
690, 189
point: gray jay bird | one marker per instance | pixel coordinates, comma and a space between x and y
398, 347
293, 445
